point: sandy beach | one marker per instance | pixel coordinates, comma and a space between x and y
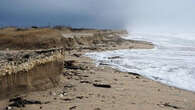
85, 86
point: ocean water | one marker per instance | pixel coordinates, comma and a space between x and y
171, 62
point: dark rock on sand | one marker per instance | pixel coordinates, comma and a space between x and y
102, 85
20, 102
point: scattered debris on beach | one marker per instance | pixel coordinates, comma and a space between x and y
70, 64
115, 57
102, 85
73, 107
21, 102
171, 106
167, 104
137, 76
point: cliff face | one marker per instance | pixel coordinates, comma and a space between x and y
40, 77
81, 39
38, 73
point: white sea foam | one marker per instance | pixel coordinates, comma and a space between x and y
172, 62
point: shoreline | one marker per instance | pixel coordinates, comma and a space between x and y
125, 71
84, 86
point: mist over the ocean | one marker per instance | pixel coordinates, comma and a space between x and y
142, 15
162, 15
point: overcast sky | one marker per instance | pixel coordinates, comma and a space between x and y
100, 13
78, 13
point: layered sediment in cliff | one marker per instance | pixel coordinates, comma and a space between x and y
41, 70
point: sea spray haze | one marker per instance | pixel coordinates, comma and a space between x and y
162, 15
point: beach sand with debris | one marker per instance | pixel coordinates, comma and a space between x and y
85, 86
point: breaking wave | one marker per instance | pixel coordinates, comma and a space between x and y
171, 62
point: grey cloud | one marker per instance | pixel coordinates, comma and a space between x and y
100, 13
78, 13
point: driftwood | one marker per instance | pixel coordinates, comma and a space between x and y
102, 85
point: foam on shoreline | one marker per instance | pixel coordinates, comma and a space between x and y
171, 62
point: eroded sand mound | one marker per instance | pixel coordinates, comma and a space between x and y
24, 71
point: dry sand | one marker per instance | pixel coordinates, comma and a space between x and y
127, 92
